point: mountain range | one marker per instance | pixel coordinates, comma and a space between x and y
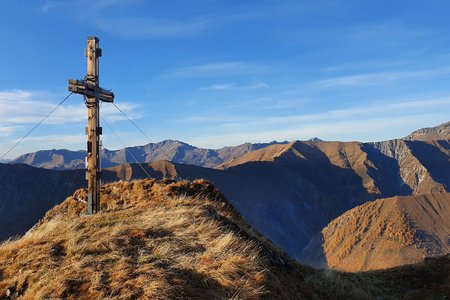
178, 152
175, 151
289, 192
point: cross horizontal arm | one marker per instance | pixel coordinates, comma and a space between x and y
83, 87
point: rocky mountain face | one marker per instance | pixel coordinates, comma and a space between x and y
175, 151
302, 185
290, 192
441, 132
180, 240
389, 232
422, 167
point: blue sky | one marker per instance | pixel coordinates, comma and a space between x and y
217, 73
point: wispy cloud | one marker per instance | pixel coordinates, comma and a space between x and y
176, 27
380, 78
20, 109
6, 131
392, 109
214, 69
374, 64
85, 6
132, 26
373, 129
25, 107
48, 5
154, 28
258, 84
56, 140
380, 33
35, 143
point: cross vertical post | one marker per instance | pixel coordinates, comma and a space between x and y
90, 89
93, 128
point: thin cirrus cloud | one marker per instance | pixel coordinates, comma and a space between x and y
154, 28
6, 131
235, 87
214, 69
85, 6
373, 64
133, 26
382, 33
56, 140
129, 27
137, 27
35, 143
380, 78
25, 107
371, 129
382, 108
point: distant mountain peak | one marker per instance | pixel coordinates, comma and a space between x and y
440, 132
268, 153
181, 152
315, 139
173, 150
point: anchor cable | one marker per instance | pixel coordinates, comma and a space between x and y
142, 131
73, 181
37, 125
125, 147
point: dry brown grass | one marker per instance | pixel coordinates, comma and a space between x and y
164, 240
151, 241
388, 232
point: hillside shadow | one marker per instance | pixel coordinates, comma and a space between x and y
293, 197
386, 173
434, 160
444, 144
141, 171
313, 254
190, 284
344, 183
27, 193
129, 172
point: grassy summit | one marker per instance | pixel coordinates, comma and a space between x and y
178, 240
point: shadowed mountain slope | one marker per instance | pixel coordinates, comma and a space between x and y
290, 192
389, 232
26, 193
303, 184
165, 240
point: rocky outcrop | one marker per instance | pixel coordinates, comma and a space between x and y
441, 132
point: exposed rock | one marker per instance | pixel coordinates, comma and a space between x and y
441, 132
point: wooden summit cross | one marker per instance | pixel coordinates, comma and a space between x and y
93, 93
